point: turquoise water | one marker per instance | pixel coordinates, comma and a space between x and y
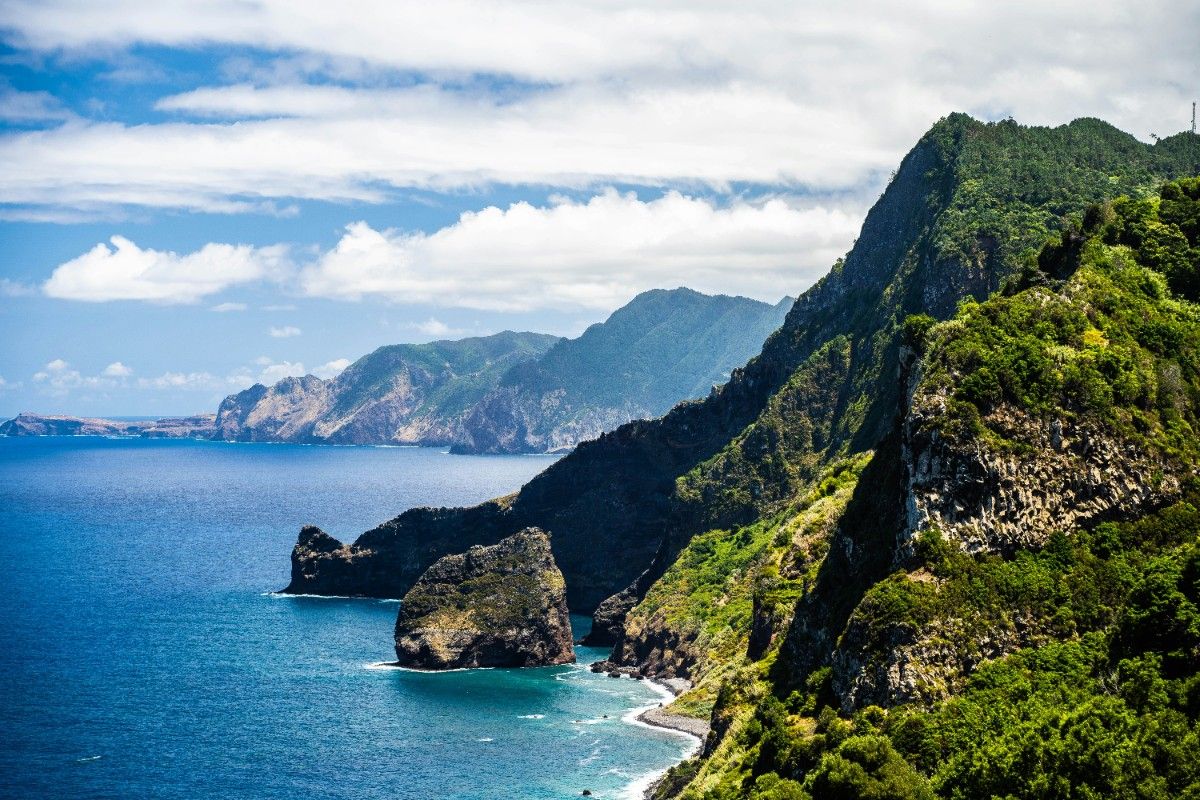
142, 654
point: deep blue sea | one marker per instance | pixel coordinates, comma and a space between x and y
142, 654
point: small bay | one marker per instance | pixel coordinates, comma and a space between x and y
142, 653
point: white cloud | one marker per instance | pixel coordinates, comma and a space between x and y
781, 92
435, 327
10, 288
127, 272
23, 107
593, 254
331, 368
222, 308
117, 370
284, 332
573, 136
204, 381
797, 92
277, 372
58, 379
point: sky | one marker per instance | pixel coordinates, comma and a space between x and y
198, 196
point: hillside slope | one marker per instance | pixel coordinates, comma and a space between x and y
1003, 598
516, 392
966, 205
660, 348
399, 394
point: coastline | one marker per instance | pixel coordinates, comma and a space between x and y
655, 717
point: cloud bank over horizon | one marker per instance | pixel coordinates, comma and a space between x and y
186, 185
352, 107
594, 254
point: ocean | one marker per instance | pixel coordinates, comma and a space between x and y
143, 654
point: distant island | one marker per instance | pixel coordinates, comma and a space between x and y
199, 426
511, 392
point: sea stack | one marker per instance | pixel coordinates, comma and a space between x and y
498, 606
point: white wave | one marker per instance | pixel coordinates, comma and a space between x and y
288, 595
595, 754
486, 739
87, 758
395, 666
531, 716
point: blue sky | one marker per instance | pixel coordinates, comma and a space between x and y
194, 197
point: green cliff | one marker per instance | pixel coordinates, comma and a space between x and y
1007, 604
939, 539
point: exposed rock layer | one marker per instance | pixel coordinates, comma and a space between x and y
401, 394
498, 606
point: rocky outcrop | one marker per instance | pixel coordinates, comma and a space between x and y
608, 620
1065, 474
200, 426
498, 606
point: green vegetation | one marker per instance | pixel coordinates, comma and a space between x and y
1107, 706
968, 209
663, 347
455, 374
724, 579
1069, 671
1097, 328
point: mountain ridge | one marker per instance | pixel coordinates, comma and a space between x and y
924, 245
515, 392
799, 544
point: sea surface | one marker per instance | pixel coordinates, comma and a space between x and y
142, 654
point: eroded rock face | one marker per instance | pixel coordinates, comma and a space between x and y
498, 606
1066, 475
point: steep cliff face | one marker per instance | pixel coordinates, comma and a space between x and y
990, 606
1067, 474
498, 606
825, 383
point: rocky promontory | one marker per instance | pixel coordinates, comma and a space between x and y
498, 606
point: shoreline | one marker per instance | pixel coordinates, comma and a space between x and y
655, 717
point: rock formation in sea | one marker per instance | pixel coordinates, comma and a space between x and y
949, 512
498, 606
